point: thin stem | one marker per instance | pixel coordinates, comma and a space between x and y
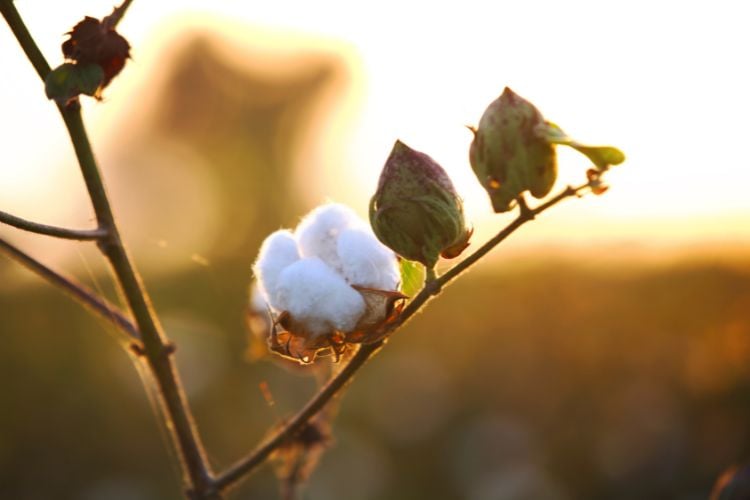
116, 16
290, 485
57, 232
247, 464
328, 391
524, 216
30, 48
156, 348
76, 290
430, 274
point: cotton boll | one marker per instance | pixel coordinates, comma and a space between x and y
367, 262
318, 232
318, 298
277, 252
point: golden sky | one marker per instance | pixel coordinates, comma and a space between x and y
664, 81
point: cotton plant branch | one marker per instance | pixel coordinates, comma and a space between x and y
76, 290
156, 349
439, 231
54, 231
243, 467
298, 458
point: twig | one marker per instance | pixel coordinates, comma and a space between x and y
76, 290
525, 216
245, 465
290, 485
197, 473
258, 456
30, 48
115, 17
155, 344
57, 232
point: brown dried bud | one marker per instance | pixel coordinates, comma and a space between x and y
96, 42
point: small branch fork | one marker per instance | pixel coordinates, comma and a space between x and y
57, 232
197, 474
201, 483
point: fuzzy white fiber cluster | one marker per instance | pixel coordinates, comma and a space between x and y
309, 272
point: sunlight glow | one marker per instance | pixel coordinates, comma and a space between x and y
662, 81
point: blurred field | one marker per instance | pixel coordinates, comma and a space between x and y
536, 380
534, 377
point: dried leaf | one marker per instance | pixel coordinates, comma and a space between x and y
290, 340
382, 308
297, 457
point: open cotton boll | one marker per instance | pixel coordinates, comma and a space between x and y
318, 298
367, 262
317, 234
278, 251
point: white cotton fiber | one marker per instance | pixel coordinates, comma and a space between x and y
367, 262
278, 251
310, 273
318, 297
318, 232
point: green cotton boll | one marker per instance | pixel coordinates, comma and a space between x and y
507, 154
416, 211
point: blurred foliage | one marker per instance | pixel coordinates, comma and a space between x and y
535, 378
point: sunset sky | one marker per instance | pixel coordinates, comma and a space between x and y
665, 81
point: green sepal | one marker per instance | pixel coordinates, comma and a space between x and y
412, 277
71, 80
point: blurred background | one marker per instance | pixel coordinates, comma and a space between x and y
603, 352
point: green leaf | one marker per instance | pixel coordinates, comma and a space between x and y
71, 80
553, 134
412, 277
601, 156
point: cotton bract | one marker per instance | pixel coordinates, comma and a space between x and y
318, 277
